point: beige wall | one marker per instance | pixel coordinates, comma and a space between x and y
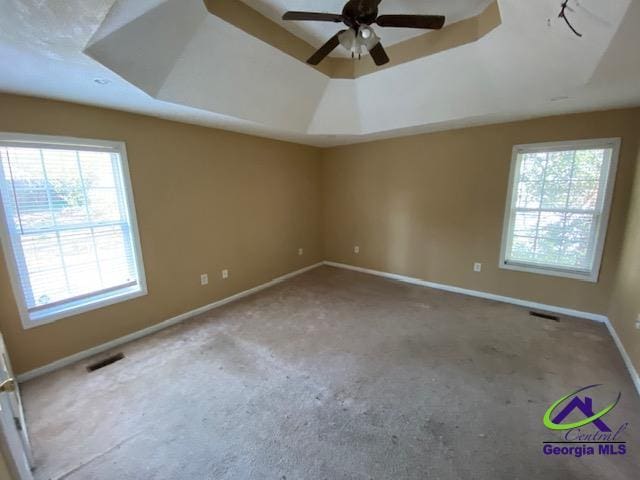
429, 206
426, 206
205, 199
625, 301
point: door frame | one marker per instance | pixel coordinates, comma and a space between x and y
11, 446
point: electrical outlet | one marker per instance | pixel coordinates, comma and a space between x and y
477, 267
204, 279
301, 251
356, 249
225, 274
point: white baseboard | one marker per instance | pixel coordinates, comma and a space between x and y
475, 293
63, 362
414, 281
515, 301
625, 356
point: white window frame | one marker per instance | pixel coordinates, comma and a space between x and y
601, 233
90, 302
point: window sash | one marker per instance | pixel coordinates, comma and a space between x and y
27, 280
598, 214
33, 314
54, 305
592, 239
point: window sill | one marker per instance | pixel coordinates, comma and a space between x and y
43, 317
591, 277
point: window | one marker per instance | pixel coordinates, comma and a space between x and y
558, 207
69, 231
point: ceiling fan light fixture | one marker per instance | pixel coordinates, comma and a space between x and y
358, 43
352, 42
358, 15
348, 39
369, 41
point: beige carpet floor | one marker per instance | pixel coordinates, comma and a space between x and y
335, 375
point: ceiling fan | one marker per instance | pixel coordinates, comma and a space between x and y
359, 15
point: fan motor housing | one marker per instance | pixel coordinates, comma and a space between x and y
360, 12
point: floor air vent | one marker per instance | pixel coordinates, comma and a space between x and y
546, 316
103, 363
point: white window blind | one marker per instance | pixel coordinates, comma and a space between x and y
69, 222
558, 207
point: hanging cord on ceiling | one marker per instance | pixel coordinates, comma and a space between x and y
565, 6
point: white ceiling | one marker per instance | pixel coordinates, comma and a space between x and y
317, 33
172, 59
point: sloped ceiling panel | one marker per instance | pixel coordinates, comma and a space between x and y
178, 52
144, 51
223, 70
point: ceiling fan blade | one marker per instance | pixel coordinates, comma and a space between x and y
325, 50
428, 22
313, 16
378, 54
